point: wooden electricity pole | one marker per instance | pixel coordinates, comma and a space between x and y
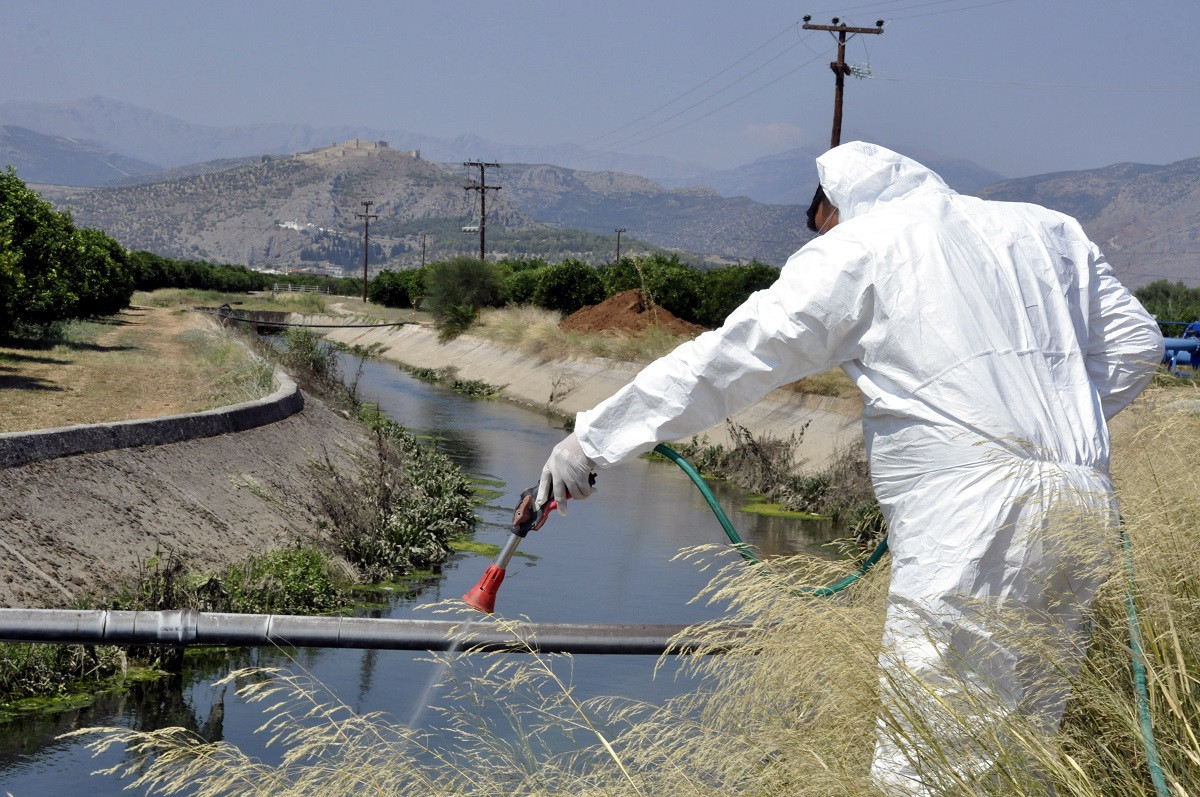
366, 216
618, 231
482, 187
839, 67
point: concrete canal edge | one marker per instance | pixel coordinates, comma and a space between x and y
22, 448
566, 387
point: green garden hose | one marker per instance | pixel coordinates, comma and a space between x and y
1153, 762
1135, 637
747, 554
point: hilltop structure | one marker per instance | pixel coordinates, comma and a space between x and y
354, 148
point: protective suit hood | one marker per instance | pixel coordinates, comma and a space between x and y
858, 177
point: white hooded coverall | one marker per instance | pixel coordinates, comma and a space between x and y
991, 342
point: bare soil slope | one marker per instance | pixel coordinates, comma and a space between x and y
84, 525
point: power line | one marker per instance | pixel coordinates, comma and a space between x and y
721, 108
882, 9
697, 87
700, 102
953, 10
885, 9
896, 78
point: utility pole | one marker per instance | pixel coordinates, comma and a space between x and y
366, 216
618, 231
839, 67
482, 187
422, 250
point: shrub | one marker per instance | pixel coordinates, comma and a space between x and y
463, 282
458, 288
33, 669
288, 581
454, 320
410, 502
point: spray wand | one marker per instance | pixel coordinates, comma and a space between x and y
526, 518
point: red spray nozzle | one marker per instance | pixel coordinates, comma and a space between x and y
525, 519
483, 595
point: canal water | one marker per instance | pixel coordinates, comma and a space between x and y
612, 559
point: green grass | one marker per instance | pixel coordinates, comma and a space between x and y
463, 545
779, 510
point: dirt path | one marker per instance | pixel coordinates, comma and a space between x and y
144, 362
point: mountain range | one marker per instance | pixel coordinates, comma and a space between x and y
166, 142
278, 194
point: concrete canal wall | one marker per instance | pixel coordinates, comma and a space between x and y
565, 387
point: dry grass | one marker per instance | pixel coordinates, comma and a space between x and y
535, 331
144, 362
790, 710
827, 383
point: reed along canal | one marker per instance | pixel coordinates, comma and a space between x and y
609, 561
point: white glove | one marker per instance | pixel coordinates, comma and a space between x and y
566, 473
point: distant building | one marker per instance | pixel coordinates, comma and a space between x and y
354, 148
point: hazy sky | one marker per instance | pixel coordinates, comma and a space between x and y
1018, 86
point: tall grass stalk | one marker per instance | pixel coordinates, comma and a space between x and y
243, 375
791, 707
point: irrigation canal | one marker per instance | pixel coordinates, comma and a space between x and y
608, 561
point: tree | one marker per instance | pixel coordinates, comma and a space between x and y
724, 289
1170, 302
10, 273
101, 274
42, 241
398, 288
458, 288
621, 276
520, 286
568, 286
670, 283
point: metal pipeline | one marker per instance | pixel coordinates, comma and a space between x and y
1181, 351
191, 628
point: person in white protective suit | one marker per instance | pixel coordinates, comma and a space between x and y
992, 343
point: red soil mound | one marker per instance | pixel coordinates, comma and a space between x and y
627, 312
